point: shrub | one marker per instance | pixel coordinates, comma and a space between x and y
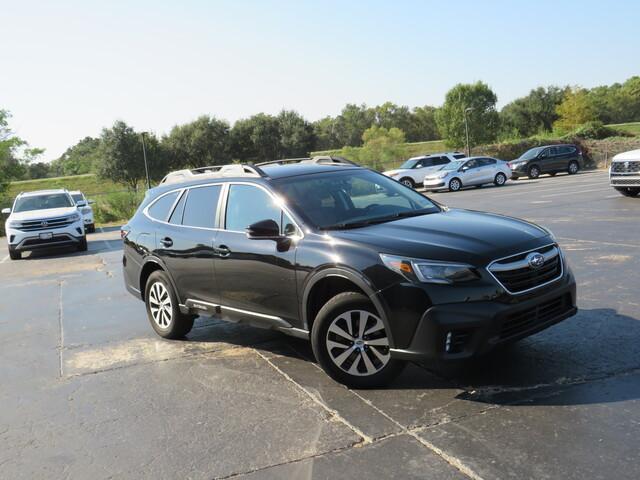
117, 207
597, 131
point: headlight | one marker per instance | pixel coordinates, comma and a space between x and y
85, 209
393, 175
442, 174
14, 224
75, 217
430, 271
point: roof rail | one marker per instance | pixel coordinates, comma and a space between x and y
215, 171
318, 159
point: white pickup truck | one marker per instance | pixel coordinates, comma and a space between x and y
624, 173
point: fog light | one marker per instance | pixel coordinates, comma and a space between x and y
447, 343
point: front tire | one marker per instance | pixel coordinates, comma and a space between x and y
573, 167
500, 179
455, 184
14, 254
163, 309
628, 192
407, 182
91, 228
82, 246
351, 343
534, 171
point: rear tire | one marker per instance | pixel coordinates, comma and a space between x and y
455, 184
14, 254
407, 182
351, 343
500, 179
573, 167
163, 309
82, 246
534, 171
628, 192
91, 228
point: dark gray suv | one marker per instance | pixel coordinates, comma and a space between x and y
549, 159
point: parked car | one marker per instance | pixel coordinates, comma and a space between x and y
43, 219
84, 206
412, 172
549, 159
371, 272
473, 171
624, 173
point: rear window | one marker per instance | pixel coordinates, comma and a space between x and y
159, 210
200, 207
458, 156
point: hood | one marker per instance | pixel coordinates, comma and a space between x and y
626, 156
388, 173
453, 235
43, 214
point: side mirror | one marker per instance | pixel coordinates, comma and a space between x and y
264, 230
463, 169
91, 202
6, 211
81, 204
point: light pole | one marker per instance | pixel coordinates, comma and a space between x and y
144, 155
466, 129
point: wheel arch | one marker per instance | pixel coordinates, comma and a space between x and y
329, 282
151, 265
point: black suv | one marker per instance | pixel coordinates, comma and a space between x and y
372, 272
549, 159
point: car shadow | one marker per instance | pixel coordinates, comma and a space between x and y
545, 369
94, 246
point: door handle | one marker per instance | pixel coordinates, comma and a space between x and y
166, 242
223, 251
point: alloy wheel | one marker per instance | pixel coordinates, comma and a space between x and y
573, 167
407, 183
357, 343
501, 179
454, 185
160, 305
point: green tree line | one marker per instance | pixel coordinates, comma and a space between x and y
468, 109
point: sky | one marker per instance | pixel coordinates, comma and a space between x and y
69, 69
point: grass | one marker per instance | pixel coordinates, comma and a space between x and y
89, 184
633, 127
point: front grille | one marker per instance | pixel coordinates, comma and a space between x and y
625, 181
48, 224
626, 167
534, 317
516, 274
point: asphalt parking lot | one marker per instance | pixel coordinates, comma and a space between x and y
89, 391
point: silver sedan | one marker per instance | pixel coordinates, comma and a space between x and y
467, 172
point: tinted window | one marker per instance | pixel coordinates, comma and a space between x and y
176, 216
567, 150
248, 204
200, 207
487, 161
458, 156
472, 164
443, 160
78, 198
160, 208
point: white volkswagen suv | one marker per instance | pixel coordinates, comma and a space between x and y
42, 219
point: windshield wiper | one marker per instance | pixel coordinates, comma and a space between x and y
373, 221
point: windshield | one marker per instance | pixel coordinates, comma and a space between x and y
78, 198
453, 165
43, 202
410, 163
351, 199
530, 154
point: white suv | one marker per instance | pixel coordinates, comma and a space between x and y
624, 173
42, 219
412, 172
84, 206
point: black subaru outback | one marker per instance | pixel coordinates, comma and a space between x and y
371, 272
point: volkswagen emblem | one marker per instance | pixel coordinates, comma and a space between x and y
44, 223
535, 260
626, 165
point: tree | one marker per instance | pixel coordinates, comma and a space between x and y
532, 114
351, 124
15, 156
205, 141
381, 145
483, 119
423, 125
121, 155
82, 158
324, 131
575, 110
296, 134
256, 138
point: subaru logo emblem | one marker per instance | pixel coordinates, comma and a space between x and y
535, 260
44, 223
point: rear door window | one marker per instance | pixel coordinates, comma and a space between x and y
200, 207
176, 215
458, 156
160, 209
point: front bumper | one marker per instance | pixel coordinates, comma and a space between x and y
624, 180
463, 330
21, 241
434, 184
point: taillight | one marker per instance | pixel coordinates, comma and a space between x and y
509, 165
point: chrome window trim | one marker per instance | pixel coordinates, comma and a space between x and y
488, 268
184, 189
